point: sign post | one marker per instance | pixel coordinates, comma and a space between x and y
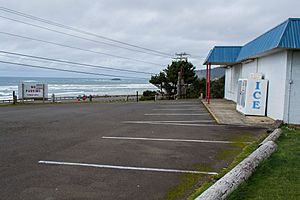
43, 93
22, 92
14, 98
36, 91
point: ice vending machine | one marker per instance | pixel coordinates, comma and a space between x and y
251, 97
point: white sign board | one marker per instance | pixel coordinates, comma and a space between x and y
252, 95
33, 91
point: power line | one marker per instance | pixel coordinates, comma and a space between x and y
36, 60
76, 36
66, 70
78, 30
73, 47
73, 63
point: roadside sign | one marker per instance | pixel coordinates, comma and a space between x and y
33, 91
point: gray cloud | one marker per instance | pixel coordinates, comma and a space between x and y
173, 26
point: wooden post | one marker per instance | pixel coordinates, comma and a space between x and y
206, 84
53, 98
23, 92
209, 67
43, 93
137, 96
14, 97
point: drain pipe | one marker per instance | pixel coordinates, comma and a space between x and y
290, 87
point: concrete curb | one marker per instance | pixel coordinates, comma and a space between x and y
210, 112
240, 173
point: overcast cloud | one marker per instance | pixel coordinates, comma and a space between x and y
171, 26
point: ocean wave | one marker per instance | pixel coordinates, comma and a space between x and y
9, 87
75, 87
30, 81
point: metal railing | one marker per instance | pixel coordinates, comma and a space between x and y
80, 98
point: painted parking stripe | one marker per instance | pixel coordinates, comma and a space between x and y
124, 167
172, 124
172, 140
193, 105
180, 102
175, 114
187, 124
176, 103
185, 109
190, 121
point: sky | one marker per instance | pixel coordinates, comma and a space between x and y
168, 26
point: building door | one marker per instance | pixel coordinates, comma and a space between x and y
294, 108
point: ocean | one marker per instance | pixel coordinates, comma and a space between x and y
66, 87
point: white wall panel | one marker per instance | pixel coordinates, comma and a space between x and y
294, 98
274, 68
227, 84
249, 68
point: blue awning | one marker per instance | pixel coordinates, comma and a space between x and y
223, 55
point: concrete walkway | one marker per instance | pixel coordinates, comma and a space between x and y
224, 112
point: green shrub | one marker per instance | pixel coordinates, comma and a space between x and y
148, 95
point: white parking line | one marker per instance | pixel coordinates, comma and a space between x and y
167, 123
176, 114
176, 103
192, 105
185, 109
171, 140
124, 167
190, 121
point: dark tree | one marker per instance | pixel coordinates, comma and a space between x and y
197, 88
159, 80
167, 79
217, 88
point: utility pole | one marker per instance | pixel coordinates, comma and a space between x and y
181, 87
181, 56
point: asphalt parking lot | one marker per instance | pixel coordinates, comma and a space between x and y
110, 151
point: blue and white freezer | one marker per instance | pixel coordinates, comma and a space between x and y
252, 96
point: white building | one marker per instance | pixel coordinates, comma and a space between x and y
276, 55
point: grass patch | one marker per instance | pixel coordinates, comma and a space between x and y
227, 154
279, 176
239, 142
188, 182
246, 151
242, 139
191, 185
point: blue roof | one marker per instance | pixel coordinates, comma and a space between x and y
291, 36
223, 54
286, 36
